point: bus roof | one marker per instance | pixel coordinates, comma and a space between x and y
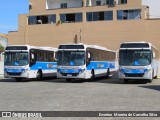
85, 46
29, 47
141, 44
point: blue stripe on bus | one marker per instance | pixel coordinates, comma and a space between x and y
44, 66
100, 65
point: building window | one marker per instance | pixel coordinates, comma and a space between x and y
108, 15
32, 20
52, 19
95, 16
99, 16
110, 2
63, 5
78, 17
44, 19
128, 14
63, 18
71, 17
98, 3
89, 16
122, 1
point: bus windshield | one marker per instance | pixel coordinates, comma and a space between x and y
16, 58
71, 58
135, 57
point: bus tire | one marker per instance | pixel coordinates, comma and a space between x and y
39, 75
68, 80
18, 79
155, 77
152, 74
93, 74
125, 81
108, 73
150, 80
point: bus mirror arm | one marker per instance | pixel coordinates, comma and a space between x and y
32, 59
32, 56
154, 55
89, 55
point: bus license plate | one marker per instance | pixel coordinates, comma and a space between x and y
69, 75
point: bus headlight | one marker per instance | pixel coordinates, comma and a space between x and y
58, 69
23, 70
147, 70
82, 70
122, 70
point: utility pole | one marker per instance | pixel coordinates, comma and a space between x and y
80, 35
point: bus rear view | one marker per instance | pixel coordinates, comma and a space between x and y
138, 60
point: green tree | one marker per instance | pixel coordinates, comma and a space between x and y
1, 48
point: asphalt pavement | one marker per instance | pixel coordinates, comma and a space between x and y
99, 95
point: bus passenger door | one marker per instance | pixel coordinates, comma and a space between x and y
88, 58
32, 58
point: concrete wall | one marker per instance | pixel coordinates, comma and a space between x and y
107, 34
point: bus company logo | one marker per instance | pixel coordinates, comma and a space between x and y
49, 65
100, 65
6, 114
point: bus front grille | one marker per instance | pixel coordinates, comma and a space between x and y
134, 75
13, 73
72, 74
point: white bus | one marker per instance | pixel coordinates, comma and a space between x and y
84, 61
138, 60
24, 61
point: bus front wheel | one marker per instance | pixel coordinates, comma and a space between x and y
18, 79
150, 80
93, 74
68, 80
125, 81
39, 75
108, 73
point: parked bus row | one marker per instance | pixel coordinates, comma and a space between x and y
137, 60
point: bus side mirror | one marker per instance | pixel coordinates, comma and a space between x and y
32, 56
154, 55
32, 61
89, 55
88, 58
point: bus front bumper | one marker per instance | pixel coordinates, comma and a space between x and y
147, 75
72, 75
16, 75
